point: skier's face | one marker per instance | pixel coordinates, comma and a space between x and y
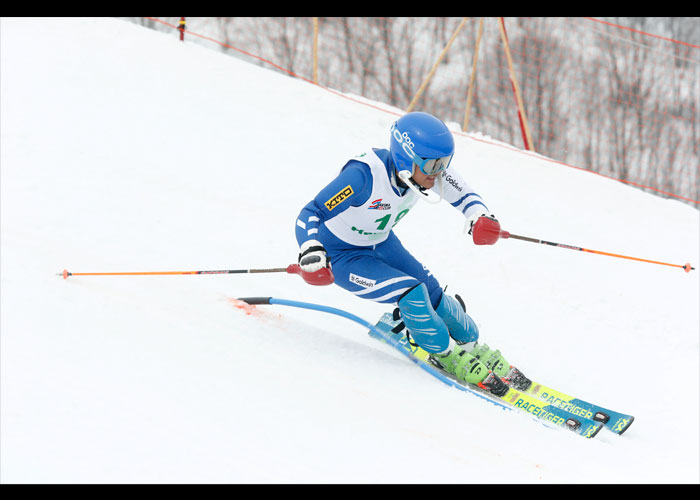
426, 181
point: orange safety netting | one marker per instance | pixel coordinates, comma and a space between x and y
596, 96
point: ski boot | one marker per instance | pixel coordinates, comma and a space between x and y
492, 358
461, 325
465, 332
495, 361
431, 333
469, 369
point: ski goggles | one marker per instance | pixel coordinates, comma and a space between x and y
432, 166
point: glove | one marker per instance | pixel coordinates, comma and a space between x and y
312, 256
484, 228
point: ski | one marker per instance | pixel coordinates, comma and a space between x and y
614, 421
531, 404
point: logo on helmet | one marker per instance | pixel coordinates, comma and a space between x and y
404, 139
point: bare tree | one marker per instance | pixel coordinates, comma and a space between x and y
614, 100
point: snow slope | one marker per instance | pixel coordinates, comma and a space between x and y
126, 150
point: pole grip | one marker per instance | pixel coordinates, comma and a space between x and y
322, 277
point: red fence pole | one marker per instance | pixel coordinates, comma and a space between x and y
525, 129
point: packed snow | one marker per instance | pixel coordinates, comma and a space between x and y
124, 149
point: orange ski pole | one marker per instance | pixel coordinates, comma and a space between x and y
505, 234
323, 276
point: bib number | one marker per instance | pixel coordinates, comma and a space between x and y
384, 221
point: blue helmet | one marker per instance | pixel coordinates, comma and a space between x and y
421, 139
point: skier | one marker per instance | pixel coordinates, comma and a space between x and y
350, 224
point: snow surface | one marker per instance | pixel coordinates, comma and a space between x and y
126, 150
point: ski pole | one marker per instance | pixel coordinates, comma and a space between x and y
319, 278
505, 234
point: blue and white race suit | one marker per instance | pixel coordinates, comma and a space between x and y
353, 217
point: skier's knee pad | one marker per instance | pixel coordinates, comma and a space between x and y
424, 325
462, 328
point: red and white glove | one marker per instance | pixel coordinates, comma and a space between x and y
484, 228
314, 264
312, 256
